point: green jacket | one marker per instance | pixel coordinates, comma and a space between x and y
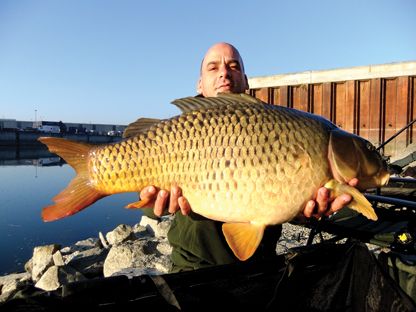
198, 242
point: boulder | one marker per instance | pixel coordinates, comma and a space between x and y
157, 227
136, 254
9, 284
120, 234
42, 259
56, 276
89, 262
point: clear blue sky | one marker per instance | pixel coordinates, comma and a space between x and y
115, 61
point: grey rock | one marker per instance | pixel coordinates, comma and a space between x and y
164, 248
162, 228
88, 243
50, 279
120, 234
29, 266
10, 283
7, 295
42, 259
81, 245
56, 276
58, 258
149, 223
134, 272
140, 231
137, 254
66, 250
157, 227
103, 240
296, 236
89, 262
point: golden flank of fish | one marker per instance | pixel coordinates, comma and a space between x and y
237, 160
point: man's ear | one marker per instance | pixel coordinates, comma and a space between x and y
199, 86
246, 80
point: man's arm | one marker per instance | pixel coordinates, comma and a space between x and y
323, 205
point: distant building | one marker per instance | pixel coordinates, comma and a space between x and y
26, 125
49, 129
8, 124
65, 127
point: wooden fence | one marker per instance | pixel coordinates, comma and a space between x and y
372, 101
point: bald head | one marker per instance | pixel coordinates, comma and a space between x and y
222, 70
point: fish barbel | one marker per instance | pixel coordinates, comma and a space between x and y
237, 160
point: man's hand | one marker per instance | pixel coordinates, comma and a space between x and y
162, 200
324, 205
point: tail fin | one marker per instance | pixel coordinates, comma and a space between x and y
79, 194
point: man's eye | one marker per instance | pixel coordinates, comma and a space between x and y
234, 66
211, 68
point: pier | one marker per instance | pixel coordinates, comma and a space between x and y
15, 138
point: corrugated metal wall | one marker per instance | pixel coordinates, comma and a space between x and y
372, 108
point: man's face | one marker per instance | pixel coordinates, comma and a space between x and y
222, 71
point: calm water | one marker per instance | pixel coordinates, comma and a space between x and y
27, 185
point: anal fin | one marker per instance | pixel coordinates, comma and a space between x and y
243, 238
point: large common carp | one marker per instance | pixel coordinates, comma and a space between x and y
237, 160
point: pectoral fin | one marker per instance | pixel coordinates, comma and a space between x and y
243, 238
359, 202
139, 204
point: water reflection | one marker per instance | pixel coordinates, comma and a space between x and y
28, 183
24, 156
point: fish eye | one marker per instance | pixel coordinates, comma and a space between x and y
370, 146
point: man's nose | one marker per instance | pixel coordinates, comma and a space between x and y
224, 71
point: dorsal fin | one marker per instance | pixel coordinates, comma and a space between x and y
139, 126
192, 103
241, 97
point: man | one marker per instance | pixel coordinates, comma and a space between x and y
198, 242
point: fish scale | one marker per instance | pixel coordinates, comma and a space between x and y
236, 159
200, 168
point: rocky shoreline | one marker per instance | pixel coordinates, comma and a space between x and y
127, 250
142, 249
